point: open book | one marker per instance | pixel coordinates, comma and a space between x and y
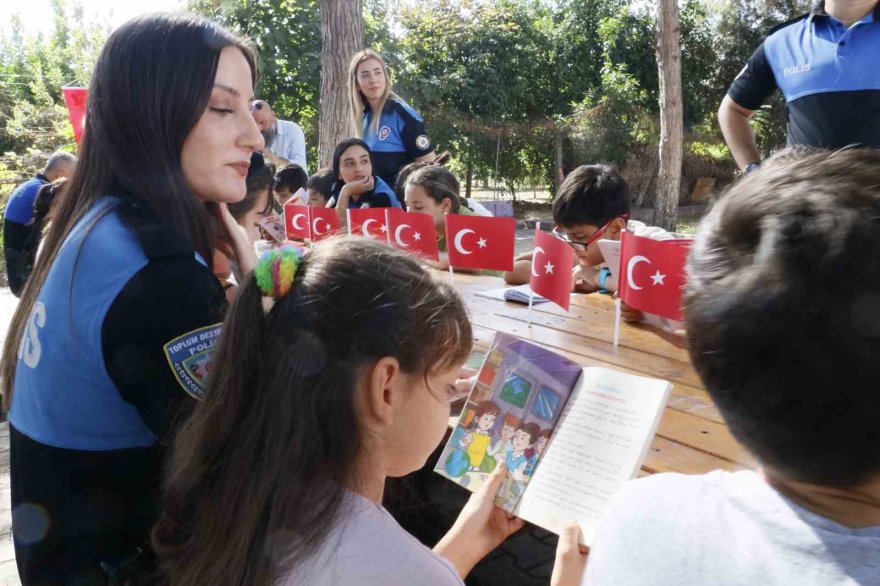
518, 294
570, 436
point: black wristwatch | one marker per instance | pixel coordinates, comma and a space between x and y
751, 167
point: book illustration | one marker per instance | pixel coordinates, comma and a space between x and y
570, 436
476, 359
509, 416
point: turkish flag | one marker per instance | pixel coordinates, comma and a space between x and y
324, 223
413, 232
552, 261
296, 221
368, 222
651, 275
479, 242
75, 98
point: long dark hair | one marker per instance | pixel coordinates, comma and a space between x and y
257, 475
151, 84
260, 178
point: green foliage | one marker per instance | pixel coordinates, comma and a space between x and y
500, 82
287, 36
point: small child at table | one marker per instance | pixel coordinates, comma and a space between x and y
288, 181
320, 188
781, 309
593, 203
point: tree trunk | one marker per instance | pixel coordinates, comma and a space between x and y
342, 35
671, 130
469, 177
557, 143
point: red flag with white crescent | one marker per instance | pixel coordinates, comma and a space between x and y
651, 276
413, 232
323, 222
75, 98
479, 242
552, 261
296, 221
368, 222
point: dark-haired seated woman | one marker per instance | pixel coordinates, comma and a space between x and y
356, 186
111, 342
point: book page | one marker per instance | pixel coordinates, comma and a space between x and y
516, 401
599, 443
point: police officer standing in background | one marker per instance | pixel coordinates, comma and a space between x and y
19, 216
827, 66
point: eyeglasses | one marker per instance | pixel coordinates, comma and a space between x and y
582, 246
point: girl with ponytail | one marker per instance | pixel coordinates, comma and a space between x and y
278, 476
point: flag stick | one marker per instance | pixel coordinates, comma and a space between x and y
531, 292
451, 276
348, 221
616, 321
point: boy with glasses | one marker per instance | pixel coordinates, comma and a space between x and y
593, 203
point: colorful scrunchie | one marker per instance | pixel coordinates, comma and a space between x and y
275, 270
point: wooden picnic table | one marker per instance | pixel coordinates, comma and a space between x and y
692, 437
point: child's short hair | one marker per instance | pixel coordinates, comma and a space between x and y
486, 408
592, 195
291, 178
782, 309
322, 182
439, 183
532, 429
511, 420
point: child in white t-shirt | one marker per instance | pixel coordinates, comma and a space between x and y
781, 310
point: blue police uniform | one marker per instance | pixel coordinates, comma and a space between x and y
400, 139
828, 74
381, 196
98, 383
18, 233
20, 207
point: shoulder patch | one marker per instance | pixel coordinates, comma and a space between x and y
423, 142
190, 357
384, 132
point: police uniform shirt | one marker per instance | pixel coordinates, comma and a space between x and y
828, 74
381, 196
18, 233
98, 386
400, 139
20, 207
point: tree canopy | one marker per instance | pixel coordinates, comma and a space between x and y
513, 78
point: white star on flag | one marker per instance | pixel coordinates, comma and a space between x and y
481, 242
658, 278
383, 228
548, 268
417, 236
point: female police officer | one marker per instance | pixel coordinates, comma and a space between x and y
112, 337
392, 129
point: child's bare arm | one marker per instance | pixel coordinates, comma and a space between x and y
522, 269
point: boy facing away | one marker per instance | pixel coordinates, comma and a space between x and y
593, 203
782, 310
